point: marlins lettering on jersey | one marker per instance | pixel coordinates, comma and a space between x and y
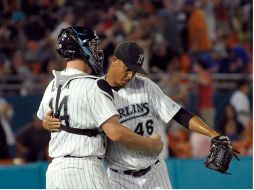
133, 111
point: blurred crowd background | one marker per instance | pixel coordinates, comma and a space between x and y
198, 51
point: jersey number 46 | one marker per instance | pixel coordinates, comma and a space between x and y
148, 126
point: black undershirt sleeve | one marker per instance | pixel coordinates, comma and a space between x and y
183, 117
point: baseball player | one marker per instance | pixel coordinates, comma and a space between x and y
141, 104
84, 105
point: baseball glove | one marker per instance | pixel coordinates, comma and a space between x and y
221, 154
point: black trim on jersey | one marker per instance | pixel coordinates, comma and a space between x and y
183, 117
105, 87
78, 131
91, 77
115, 88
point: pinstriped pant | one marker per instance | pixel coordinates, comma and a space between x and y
77, 173
156, 178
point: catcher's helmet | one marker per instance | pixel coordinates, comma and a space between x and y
81, 42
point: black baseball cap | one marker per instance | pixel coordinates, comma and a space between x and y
131, 55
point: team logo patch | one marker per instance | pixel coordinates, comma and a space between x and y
140, 59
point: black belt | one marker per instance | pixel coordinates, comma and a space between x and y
137, 173
68, 156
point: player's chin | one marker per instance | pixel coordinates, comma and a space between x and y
123, 83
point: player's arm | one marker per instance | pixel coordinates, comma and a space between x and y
194, 123
118, 133
115, 132
167, 109
44, 105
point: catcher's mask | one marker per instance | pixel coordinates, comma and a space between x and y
81, 42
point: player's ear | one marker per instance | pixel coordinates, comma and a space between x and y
114, 62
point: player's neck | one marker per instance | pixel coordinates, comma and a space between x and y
79, 65
110, 80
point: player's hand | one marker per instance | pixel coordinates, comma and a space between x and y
157, 144
51, 124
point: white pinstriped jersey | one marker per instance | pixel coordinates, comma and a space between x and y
82, 101
141, 104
